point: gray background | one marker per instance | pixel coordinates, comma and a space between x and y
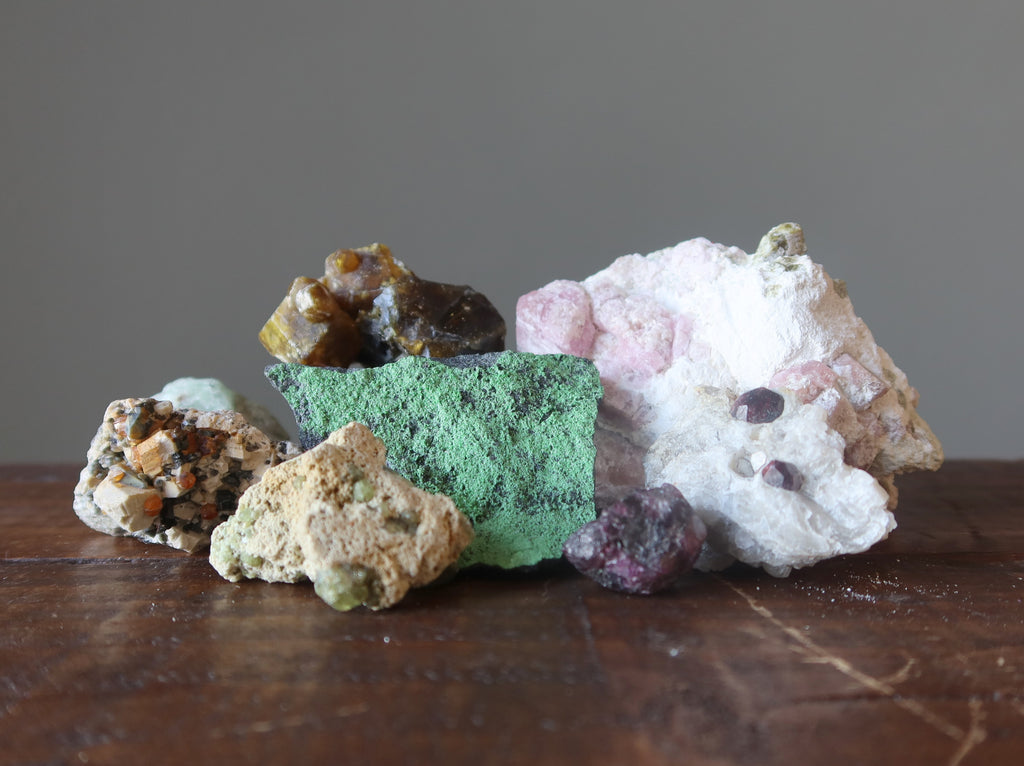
167, 168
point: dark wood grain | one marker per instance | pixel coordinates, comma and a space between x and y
114, 651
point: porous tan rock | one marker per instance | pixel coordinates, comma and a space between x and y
170, 476
337, 516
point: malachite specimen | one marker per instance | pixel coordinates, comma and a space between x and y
508, 436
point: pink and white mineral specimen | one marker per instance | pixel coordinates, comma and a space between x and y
748, 382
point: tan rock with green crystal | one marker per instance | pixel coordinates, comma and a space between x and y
337, 516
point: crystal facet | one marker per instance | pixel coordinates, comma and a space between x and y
758, 405
779, 473
309, 327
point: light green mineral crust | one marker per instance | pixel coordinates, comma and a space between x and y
211, 394
508, 436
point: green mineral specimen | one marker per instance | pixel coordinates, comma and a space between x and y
346, 587
508, 436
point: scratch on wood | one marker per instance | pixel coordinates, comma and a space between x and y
966, 739
900, 675
287, 722
588, 634
975, 734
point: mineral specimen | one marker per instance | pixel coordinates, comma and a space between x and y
716, 363
369, 308
170, 475
778, 495
779, 473
211, 394
415, 317
309, 327
641, 544
509, 437
337, 516
759, 405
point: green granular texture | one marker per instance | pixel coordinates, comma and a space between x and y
508, 436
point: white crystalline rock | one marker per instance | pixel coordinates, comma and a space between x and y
665, 328
716, 460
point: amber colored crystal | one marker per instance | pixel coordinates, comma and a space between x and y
355, 277
416, 317
368, 307
309, 327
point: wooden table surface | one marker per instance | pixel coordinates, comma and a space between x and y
115, 651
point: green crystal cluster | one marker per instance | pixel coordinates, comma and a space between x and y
508, 436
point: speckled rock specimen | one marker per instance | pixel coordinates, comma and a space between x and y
370, 309
336, 516
509, 437
210, 394
167, 475
708, 326
643, 543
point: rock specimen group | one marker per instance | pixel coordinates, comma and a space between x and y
689, 408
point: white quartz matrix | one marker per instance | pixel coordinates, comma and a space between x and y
678, 334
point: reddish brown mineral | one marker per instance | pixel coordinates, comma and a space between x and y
642, 544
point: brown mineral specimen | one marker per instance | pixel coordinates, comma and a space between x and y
355, 277
309, 327
369, 308
170, 476
416, 317
337, 516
